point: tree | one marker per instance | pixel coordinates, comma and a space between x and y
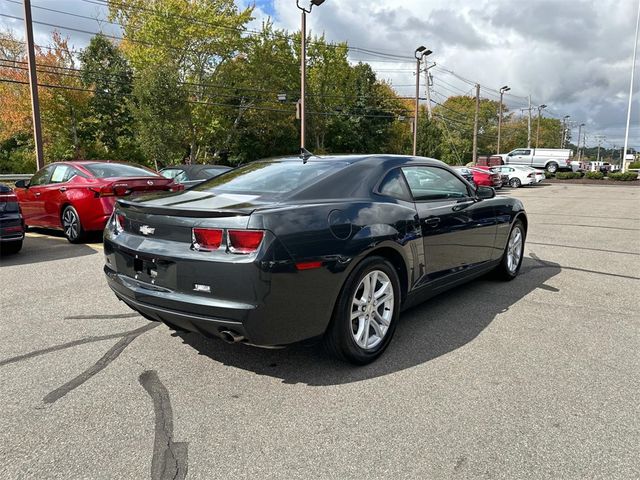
195, 37
109, 123
162, 115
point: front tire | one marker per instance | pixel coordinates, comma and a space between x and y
366, 313
552, 167
72, 225
513, 253
515, 182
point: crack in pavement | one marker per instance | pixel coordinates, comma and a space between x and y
98, 317
113, 353
169, 461
72, 344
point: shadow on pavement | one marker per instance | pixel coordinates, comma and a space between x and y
428, 331
53, 246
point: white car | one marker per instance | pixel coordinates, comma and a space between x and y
521, 175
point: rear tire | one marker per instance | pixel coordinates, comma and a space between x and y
513, 253
366, 313
11, 247
515, 183
552, 167
71, 225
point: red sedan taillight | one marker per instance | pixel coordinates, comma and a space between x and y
112, 191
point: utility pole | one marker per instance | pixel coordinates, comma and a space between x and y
633, 67
303, 69
419, 54
600, 138
33, 84
540, 108
529, 125
429, 83
502, 90
564, 130
475, 125
578, 142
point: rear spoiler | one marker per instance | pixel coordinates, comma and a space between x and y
137, 207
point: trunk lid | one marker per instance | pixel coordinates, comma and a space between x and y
173, 216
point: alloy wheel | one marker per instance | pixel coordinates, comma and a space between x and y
372, 309
70, 223
514, 249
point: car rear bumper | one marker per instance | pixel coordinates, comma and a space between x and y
268, 302
11, 228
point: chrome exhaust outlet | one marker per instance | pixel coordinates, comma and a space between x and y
231, 337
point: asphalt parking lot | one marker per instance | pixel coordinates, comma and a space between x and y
537, 378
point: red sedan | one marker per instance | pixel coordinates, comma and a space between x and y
78, 197
486, 178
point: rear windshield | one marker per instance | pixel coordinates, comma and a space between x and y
108, 170
275, 178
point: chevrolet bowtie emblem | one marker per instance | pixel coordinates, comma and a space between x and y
147, 230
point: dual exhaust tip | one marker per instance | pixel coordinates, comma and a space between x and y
230, 336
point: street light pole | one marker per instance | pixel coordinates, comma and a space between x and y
540, 108
502, 90
303, 68
419, 54
633, 67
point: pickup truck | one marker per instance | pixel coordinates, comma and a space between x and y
551, 159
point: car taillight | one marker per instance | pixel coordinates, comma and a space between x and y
206, 239
176, 187
7, 198
118, 222
112, 191
531, 175
244, 241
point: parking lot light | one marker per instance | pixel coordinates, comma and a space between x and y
420, 53
303, 66
502, 90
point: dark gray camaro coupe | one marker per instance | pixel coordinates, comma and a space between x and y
284, 250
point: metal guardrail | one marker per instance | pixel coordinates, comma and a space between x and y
14, 177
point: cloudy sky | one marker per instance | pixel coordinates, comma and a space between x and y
573, 55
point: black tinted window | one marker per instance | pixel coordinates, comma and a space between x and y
108, 170
270, 178
394, 185
432, 183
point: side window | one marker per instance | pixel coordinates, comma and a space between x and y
394, 186
60, 173
72, 172
171, 173
41, 177
433, 183
181, 177
525, 152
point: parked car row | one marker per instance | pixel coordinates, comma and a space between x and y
499, 176
78, 197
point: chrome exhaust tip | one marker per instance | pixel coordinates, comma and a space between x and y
231, 337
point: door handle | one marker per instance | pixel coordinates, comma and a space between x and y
37, 194
432, 221
62, 189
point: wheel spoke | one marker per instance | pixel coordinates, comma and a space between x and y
380, 319
377, 328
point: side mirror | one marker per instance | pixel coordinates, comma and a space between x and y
485, 193
22, 184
